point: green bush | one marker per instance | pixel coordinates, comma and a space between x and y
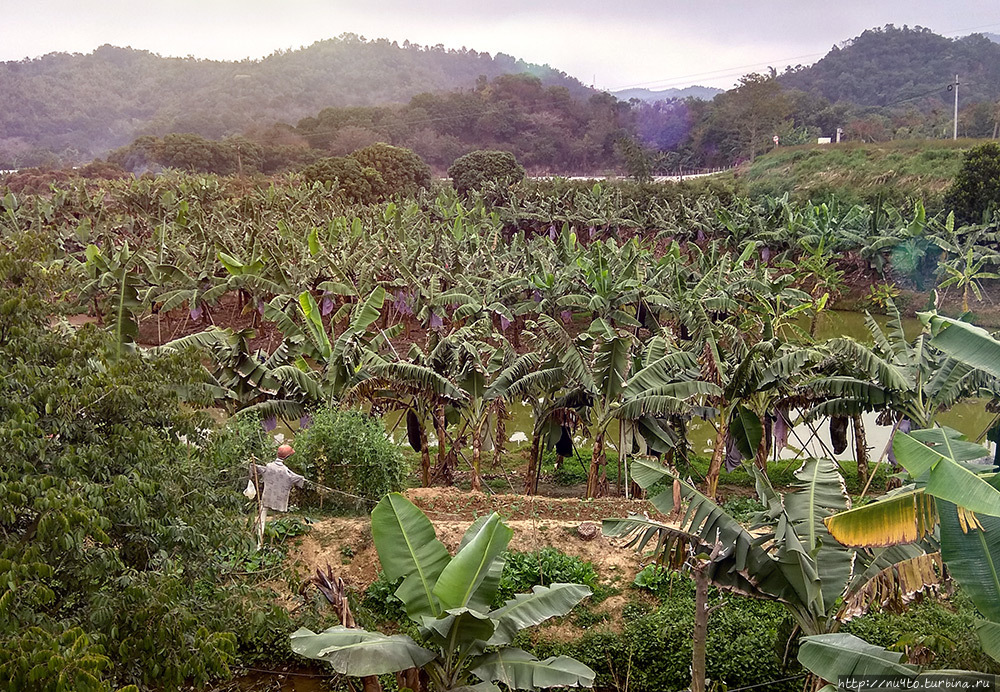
976, 188
522, 570
946, 627
347, 179
350, 451
477, 169
114, 512
746, 642
402, 171
379, 605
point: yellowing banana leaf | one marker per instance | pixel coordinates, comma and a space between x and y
904, 518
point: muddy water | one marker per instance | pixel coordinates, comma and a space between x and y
969, 417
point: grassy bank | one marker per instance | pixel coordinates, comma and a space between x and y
856, 172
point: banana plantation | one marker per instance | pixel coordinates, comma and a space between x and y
665, 344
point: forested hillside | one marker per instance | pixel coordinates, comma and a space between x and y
544, 127
80, 106
891, 66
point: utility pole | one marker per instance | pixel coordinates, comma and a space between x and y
954, 134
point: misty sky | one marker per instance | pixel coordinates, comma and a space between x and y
651, 43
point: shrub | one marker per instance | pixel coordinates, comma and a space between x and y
951, 623
549, 565
746, 641
347, 178
478, 168
379, 605
403, 172
113, 516
976, 188
350, 451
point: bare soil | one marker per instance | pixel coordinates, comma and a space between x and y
345, 543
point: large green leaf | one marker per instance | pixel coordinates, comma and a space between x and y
832, 656
528, 610
478, 687
314, 324
408, 548
358, 652
518, 669
646, 472
973, 557
744, 567
462, 576
459, 630
989, 637
747, 430
369, 311
482, 598
949, 479
965, 342
611, 367
419, 377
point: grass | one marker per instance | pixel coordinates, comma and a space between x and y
856, 172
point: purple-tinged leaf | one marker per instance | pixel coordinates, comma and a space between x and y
567, 316
270, 423
195, 312
436, 321
504, 323
305, 421
326, 306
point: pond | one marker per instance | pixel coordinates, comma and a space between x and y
969, 417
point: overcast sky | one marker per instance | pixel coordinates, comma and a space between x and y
614, 44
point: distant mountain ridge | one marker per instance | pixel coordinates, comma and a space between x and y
902, 67
88, 104
651, 96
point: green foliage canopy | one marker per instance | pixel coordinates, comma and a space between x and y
479, 168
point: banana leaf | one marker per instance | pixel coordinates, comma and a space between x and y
358, 653
408, 548
520, 670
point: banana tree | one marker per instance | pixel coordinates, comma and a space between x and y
116, 277
948, 492
414, 388
788, 555
321, 369
243, 377
463, 638
913, 380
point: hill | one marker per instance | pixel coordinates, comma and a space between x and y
80, 106
892, 67
898, 171
651, 96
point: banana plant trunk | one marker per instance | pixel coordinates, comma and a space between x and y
597, 477
718, 456
477, 453
764, 448
425, 458
439, 430
531, 474
498, 441
860, 450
